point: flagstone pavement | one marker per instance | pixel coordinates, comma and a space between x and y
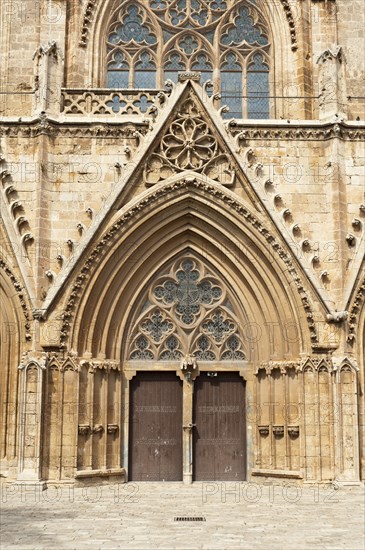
271, 515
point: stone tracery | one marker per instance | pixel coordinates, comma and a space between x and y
186, 309
190, 35
189, 144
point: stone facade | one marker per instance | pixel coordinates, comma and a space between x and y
106, 193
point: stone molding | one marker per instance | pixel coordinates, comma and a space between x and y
84, 126
333, 365
315, 132
20, 294
80, 128
354, 313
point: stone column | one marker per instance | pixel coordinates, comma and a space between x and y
128, 375
30, 418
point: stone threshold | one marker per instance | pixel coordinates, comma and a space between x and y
291, 474
100, 473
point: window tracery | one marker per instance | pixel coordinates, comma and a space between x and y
127, 63
148, 43
186, 309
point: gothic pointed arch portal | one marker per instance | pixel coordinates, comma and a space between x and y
186, 322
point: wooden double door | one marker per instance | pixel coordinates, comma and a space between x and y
156, 427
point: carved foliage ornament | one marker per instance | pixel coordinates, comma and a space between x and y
186, 310
21, 296
189, 144
356, 308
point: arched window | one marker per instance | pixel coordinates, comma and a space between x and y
226, 41
173, 65
118, 70
231, 84
145, 71
257, 88
129, 65
202, 64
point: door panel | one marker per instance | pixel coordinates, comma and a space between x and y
219, 435
155, 450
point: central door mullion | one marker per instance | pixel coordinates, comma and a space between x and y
188, 428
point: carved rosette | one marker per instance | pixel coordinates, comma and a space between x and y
189, 145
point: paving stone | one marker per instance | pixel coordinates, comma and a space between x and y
149, 523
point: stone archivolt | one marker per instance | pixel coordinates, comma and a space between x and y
155, 195
20, 291
355, 311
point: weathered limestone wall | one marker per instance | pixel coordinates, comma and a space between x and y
63, 155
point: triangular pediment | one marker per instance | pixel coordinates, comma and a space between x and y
188, 135
189, 142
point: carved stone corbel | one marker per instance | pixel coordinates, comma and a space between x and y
112, 428
278, 431
84, 429
293, 431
